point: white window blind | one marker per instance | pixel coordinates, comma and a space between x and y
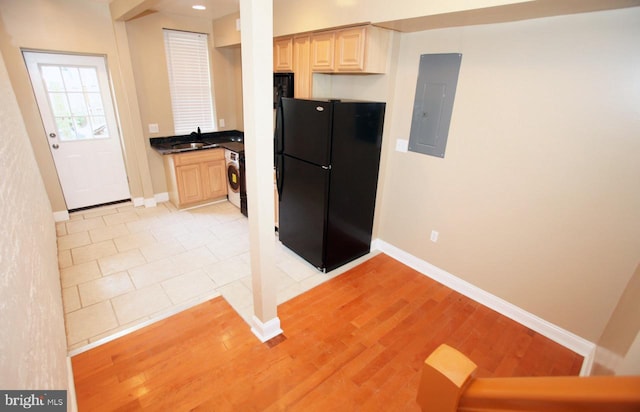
189, 81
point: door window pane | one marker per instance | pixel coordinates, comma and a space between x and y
99, 124
71, 78
59, 104
89, 79
65, 128
95, 104
82, 127
76, 102
52, 78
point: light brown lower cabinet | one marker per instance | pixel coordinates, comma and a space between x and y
196, 177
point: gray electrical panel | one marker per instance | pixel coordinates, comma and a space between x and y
433, 104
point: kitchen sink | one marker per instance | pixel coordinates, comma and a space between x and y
190, 145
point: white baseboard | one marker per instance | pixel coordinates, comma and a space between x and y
72, 404
557, 334
267, 330
137, 201
149, 202
61, 216
161, 197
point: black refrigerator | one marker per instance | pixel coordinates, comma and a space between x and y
327, 160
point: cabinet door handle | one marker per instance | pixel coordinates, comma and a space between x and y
55, 146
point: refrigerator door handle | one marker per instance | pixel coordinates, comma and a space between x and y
279, 133
279, 175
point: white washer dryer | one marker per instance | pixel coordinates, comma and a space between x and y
233, 176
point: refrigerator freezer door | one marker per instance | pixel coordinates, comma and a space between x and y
303, 209
306, 130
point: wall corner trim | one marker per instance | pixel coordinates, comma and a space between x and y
266, 330
557, 334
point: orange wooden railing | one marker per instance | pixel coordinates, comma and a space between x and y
448, 385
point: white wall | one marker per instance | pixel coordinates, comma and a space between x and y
32, 342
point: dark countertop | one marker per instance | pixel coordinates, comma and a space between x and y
237, 147
229, 139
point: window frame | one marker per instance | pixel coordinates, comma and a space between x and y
188, 59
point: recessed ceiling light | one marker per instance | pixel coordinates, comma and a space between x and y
198, 7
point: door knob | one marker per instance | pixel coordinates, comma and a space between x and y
55, 145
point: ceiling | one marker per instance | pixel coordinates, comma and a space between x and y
526, 10
215, 8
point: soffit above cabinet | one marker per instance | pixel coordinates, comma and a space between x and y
505, 13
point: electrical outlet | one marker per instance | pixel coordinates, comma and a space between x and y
221, 122
434, 236
153, 128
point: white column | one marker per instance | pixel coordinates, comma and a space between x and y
256, 24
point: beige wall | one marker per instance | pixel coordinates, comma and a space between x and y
537, 198
73, 26
630, 364
146, 44
619, 345
32, 342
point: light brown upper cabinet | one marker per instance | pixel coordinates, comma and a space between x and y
323, 51
283, 55
361, 49
358, 49
301, 67
350, 49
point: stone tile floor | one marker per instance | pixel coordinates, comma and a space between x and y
124, 267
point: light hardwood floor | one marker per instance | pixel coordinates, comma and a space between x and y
354, 343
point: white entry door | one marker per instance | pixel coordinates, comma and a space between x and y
75, 103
